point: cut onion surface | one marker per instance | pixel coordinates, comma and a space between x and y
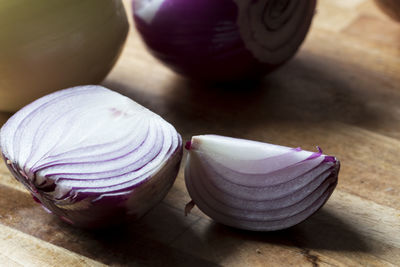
92, 156
257, 186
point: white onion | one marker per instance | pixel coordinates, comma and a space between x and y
257, 186
91, 155
47, 45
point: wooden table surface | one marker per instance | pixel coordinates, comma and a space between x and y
341, 92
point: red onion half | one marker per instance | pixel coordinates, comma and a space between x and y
257, 186
92, 156
223, 39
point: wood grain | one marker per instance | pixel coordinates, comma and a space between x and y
341, 92
18, 249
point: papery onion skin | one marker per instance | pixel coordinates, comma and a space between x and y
91, 156
48, 45
390, 7
257, 186
223, 40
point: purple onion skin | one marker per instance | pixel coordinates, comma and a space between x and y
201, 39
179, 39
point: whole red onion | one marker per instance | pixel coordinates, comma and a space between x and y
223, 39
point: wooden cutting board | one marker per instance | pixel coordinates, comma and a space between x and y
341, 92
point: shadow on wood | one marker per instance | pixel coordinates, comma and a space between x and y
145, 242
4, 116
322, 231
309, 90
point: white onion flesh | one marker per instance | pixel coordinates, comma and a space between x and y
257, 186
88, 152
274, 29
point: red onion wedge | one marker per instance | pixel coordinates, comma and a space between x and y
257, 186
92, 156
223, 39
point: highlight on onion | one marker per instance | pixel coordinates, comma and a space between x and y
92, 156
225, 39
390, 7
257, 186
47, 45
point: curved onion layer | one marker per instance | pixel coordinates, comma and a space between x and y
47, 45
91, 155
224, 39
390, 7
257, 186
